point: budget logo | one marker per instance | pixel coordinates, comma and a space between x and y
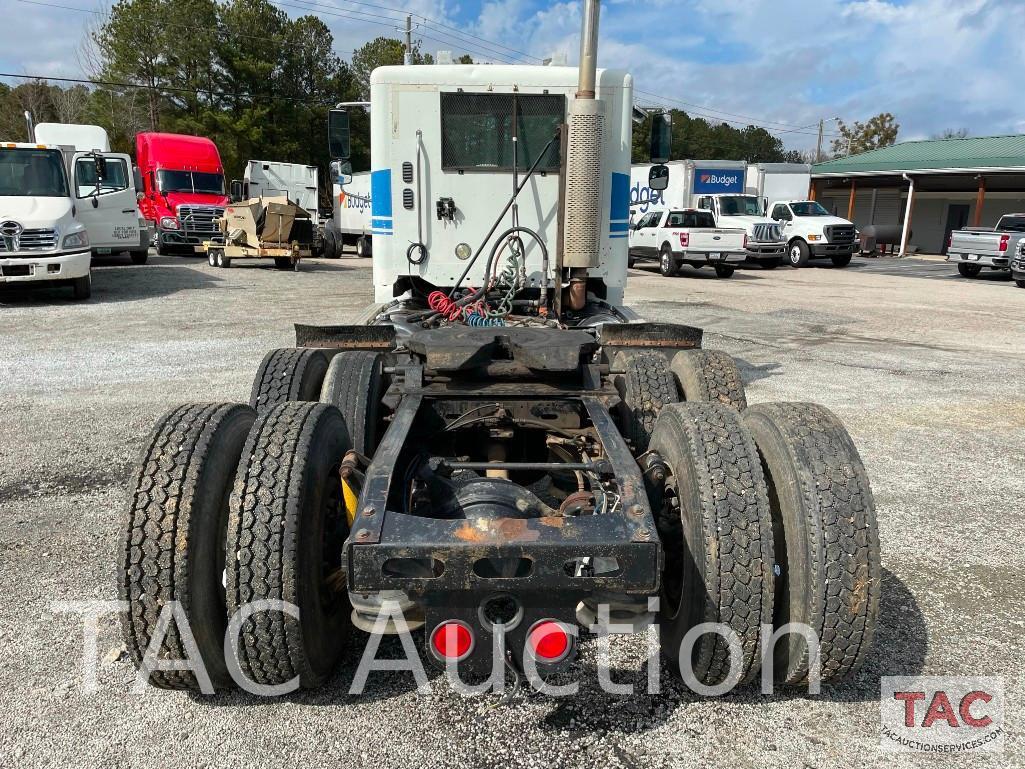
941, 714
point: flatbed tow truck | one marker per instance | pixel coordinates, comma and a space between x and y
500, 449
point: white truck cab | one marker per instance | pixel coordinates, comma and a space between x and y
106, 203
41, 238
813, 233
764, 243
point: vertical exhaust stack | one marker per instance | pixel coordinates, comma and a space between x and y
582, 235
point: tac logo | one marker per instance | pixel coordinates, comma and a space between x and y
939, 714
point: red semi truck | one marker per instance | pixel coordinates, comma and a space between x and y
183, 189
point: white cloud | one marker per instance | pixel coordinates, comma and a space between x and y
934, 63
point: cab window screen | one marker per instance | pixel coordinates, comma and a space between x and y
477, 130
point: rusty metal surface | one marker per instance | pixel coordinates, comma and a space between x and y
650, 335
539, 349
378, 338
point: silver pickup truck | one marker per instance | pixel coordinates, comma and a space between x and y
973, 248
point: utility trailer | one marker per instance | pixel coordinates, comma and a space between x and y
263, 228
501, 453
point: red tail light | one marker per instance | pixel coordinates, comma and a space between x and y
950, 240
684, 239
745, 240
1003, 242
549, 641
452, 640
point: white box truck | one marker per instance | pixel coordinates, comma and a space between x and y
778, 181
719, 186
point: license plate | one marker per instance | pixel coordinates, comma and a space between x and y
102, 250
973, 257
715, 255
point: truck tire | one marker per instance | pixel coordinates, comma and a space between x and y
211, 257
282, 262
286, 529
172, 540
724, 271
968, 270
827, 538
666, 262
709, 375
842, 261
139, 256
82, 288
645, 387
222, 261
770, 264
353, 384
631, 260
364, 247
1020, 282
330, 246
288, 374
798, 253
716, 528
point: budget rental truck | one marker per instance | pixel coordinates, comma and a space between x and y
351, 221
500, 455
183, 189
718, 186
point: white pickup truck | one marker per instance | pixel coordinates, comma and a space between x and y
687, 236
814, 233
973, 248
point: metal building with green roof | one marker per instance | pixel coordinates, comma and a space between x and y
951, 183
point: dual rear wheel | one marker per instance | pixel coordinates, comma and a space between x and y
235, 504
767, 518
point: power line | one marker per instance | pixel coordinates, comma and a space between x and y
168, 89
489, 49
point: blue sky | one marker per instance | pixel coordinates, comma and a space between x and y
936, 64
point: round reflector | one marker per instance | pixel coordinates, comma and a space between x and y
452, 640
548, 641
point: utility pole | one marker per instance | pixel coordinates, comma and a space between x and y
408, 56
818, 146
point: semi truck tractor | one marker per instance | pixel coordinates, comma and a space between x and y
718, 186
183, 189
500, 455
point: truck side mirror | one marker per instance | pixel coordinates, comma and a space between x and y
137, 181
661, 138
338, 134
101, 168
341, 172
236, 191
658, 178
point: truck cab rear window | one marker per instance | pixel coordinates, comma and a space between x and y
477, 130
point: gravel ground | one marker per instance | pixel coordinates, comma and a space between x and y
925, 368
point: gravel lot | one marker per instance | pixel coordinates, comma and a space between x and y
927, 369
